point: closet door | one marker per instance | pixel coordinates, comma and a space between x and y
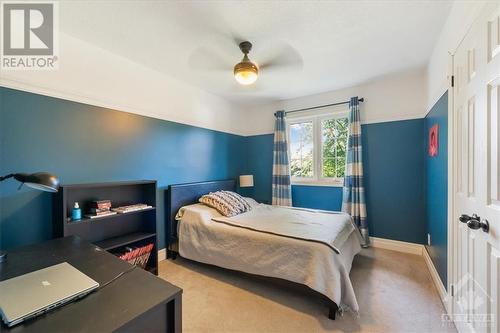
476, 230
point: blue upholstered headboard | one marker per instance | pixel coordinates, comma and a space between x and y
186, 194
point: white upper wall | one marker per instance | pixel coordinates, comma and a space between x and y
92, 75
460, 19
399, 96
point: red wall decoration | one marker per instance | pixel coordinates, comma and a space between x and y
433, 140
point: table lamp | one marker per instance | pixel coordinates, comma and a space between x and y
246, 181
42, 181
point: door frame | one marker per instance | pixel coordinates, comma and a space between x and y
452, 226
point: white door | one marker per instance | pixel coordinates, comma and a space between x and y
476, 189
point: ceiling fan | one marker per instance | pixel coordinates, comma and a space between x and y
246, 72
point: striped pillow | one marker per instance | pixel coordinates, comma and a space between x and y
239, 201
227, 203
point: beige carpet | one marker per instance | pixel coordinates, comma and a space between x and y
394, 291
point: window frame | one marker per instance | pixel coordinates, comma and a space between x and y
316, 118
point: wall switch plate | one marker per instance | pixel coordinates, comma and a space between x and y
429, 239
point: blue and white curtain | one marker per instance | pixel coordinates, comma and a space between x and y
353, 201
282, 191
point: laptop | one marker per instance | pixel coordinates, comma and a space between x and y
32, 294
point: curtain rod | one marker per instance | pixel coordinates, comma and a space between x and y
323, 106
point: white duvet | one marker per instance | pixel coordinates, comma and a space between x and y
329, 228
310, 263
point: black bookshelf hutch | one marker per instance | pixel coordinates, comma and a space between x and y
115, 232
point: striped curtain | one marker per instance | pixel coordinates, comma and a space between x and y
282, 191
353, 201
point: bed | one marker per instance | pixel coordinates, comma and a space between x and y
200, 234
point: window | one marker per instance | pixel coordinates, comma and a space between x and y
318, 149
301, 149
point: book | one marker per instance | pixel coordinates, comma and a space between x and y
101, 207
101, 204
137, 255
102, 201
93, 216
98, 211
130, 208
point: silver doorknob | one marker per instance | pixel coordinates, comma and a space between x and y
474, 222
464, 218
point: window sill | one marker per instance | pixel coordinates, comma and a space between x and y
317, 183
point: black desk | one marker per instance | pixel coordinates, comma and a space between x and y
136, 302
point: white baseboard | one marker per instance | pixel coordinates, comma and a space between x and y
435, 277
417, 249
162, 254
395, 245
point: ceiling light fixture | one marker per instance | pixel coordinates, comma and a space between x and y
246, 72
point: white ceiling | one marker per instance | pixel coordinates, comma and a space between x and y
333, 44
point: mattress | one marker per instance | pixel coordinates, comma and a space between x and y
312, 264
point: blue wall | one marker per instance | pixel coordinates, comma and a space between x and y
394, 176
393, 165
317, 197
436, 180
82, 143
259, 149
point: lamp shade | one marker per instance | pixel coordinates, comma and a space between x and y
246, 180
42, 181
246, 72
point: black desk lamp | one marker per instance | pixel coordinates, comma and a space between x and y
42, 181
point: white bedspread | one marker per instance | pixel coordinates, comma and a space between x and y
310, 263
329, 228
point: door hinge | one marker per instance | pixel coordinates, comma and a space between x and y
452, 290
453, 80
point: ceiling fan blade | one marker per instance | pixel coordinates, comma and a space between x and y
285, 58
203, 58
203, 17
236, 38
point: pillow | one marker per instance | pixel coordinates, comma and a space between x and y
226, 202
251, 201
239, 201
